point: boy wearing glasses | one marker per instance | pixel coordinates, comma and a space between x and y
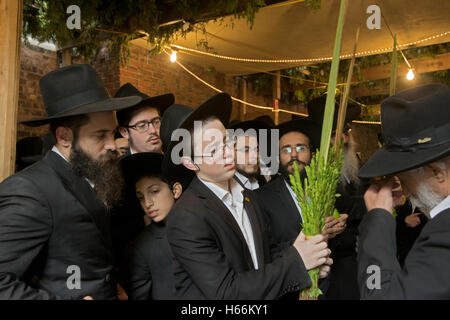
140, 124
216, 231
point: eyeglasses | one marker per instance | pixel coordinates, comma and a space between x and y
142, 126
298, 149
218, 151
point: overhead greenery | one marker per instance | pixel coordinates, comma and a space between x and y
121, 21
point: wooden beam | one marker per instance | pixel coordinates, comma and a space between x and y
10, 35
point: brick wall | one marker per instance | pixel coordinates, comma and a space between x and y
158, 75
34, 63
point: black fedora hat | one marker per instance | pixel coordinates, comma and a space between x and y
306, 126
316, 110
75, 90
416, 130
183, 117
266, 119
161, 102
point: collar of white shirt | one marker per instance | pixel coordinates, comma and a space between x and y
294, 197
224, 195
444, 204
246, 181
56, 150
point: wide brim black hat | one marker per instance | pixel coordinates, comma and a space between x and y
76, 90
306, 126
316, 110
48, 141
416, 130
183, 117
160, 102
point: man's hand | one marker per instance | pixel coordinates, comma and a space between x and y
314, 252
382, 194
333, 226
325, 269
413, 220
88, 298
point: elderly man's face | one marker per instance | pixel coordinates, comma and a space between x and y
422, 187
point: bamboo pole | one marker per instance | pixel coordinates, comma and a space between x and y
10, 32
343, 104
276, 91
393, 80
329, 105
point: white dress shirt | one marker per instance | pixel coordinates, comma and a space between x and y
246, 181
443, 205
235, 203
294, 197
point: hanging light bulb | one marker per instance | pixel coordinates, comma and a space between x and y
410, 74
173, 56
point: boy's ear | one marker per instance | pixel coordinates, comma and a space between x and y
189, 163
124, 132
177, 190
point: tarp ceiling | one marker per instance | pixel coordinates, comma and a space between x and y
291, 30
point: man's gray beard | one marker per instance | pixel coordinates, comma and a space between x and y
426, 199
350, 166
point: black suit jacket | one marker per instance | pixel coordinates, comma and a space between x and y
211, 256
50, 220
149, 266
425, 274
281, 211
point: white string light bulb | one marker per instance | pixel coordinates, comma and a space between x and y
410, 74
173, 56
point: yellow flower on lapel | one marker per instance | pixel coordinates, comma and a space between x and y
247, 199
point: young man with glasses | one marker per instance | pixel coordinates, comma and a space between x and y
140, 124
216, 231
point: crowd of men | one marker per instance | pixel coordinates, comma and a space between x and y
136, 197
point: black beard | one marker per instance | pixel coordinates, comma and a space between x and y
285, 173
104, 173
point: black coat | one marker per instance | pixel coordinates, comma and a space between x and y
212, 259
51, 219
281, 212
149, 266
425, 274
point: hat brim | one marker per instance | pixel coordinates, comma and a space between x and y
111, 104
385, 162
161, 102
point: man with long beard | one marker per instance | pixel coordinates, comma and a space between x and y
417, 150
55, 238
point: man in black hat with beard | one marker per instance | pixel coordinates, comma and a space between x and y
140, 124
55, 238
416, 128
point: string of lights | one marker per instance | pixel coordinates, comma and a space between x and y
305, 60
252, 104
